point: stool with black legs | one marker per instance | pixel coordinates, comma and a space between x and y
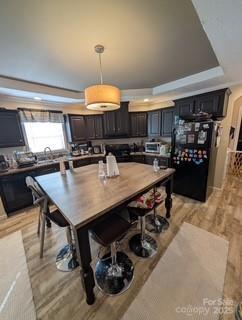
66, 259
114, 272
142, 244
154, 222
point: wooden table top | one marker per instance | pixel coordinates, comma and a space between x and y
81, 196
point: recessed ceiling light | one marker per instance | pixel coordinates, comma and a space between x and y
37, 98
146, 100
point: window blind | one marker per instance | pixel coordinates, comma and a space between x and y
38, 115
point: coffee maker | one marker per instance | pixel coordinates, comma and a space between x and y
3, 164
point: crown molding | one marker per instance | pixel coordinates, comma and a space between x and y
15, 99
18, 91
190, 80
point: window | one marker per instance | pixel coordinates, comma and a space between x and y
44, 134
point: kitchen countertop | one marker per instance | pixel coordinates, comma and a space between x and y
47, 164
70, 158
150, 154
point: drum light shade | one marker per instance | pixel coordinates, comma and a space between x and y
102, 97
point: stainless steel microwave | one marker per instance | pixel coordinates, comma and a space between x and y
152, 147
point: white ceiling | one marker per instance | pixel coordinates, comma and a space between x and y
159, 45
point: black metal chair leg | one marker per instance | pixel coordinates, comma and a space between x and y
142, 244
114, 274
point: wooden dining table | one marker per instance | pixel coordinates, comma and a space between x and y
84, 199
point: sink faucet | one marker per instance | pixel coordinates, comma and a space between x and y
45, 152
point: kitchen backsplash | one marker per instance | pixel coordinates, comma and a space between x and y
129, 140
138, 141
9, 151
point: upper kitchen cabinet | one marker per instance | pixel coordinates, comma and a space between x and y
154, 123
167, 119
75, 128
94, 127
207, 103
185, 107
214, 103
116, 123
11, 134
138, 124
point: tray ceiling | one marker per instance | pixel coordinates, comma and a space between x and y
148, 42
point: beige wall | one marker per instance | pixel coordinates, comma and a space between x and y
236, 122
226, 124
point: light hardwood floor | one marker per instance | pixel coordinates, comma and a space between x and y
59, 295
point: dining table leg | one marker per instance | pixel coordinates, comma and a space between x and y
84, 256
168, 200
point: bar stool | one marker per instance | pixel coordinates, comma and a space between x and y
142, 244
114, 272
154, 222
66, 258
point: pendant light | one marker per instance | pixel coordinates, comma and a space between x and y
102, 97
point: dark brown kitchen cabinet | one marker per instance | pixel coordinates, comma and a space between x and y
167, 118
14, 193
97, 159
94, 127
214, 103
109, 120
162, 161
208, 103
116, 123
154, 123
138, 158
81, 162
54, 167
11, 134
149, 159
185, 107
138, 124
75, 128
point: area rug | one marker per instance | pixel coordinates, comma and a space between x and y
187, 282
16, 300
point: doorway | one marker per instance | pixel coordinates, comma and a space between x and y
239, 142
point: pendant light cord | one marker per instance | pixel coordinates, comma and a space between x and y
100, 66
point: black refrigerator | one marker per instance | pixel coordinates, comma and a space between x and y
193, 156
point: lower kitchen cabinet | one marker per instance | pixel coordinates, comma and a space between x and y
95, 160
149, 159
14, 193
138, 158
86, 162
48, 169
81, 162
163, 161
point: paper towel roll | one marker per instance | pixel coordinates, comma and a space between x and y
112, 166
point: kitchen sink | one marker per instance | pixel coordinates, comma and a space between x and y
46, 161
